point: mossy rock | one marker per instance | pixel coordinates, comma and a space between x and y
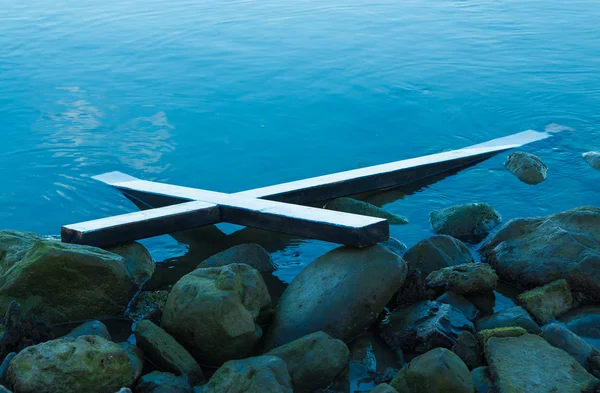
13, 247
529, 168
464, 279
471, 221
513, 316
138, 261
510, 331
437, 252
549, 301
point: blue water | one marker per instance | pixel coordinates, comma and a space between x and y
232, 95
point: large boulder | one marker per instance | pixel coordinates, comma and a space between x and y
464, 279
213, 312
529, 168
157, 382
471, 221
85, 364
350, 205
586, 355
251, 254
531, 252
423, 326
313, 361
137, 259
341, 293
592, 158
514, 316
529, 364
437, 252
253, 375
547, 302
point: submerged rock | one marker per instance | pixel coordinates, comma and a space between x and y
90, 328
464, 279
586, 355
467, 348
547, 302
531, 252
251, 254
85, 364
423, 326
481, 380
528, 167
514, 316
350, 205
437, 252
341, 293
592, 158
137, 259
529, 364
460, 303
157, 382
471, 221
213, 312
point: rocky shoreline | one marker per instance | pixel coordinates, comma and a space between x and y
383, 319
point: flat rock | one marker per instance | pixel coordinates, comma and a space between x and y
423, 326
437, 252
531, 252
529, 364
481, 380
213, 312
592, 158
90, 328
137, 259
529, 168
157, 382
468, 350
471, 221
549, 301
586, 355
341, 293
514, 316
350, 205
251, 254
460, 303
464, 279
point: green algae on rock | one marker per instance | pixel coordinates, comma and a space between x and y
149, 304
90, 328
529, 168
471, 221
354, 206
464, 279
549, 301
508, 331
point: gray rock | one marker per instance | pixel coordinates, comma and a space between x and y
20, 331
437, 252
467, 348
341, 293
514, 316
137, 259
547, 302
251, 254
528, 167
394, 245
561, 337
253, 375
157, 382
531, 252
471, 221
90, 328
125, 390
85, 364
384, 388
592, 158
423, 326
4, 367
349, 205
13, 247
481, 380
213, 312
313, 361
136, 357
529, 364
460, 303
437, 371
464, 279
413, 289
4, 390
165, 352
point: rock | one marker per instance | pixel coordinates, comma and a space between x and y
62, 282
547, 302
254, 375
510, 331
251, 254
423, 326
471, 221
157, 382
137, 259
484, 302
150, 305
313, 361
437, 371
136, 358
349, 205
384, 388
531, 252
13, 247
21, 332
592, 158
481, 380
514, 316
460, 303
583, 321
464, 279
468, 350
437, 252
561, 337
528, 167
125, 390
4, 367
394, 245
90, 328
529, 364
413, 289
213, 311
341, 293
85, 364
4, 390
165, 352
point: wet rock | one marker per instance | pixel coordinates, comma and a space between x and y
547, 302
157, 382
464, 279
4, 390
531, 252
467, 348
149, 305
528, 167
510, 331
423, 326
137, 259
85, 364
437, 371
437, 252
460, 303
4, 367
90, 328
349, 205
21, 332
253, 375
136, 358
471, 221
313, 361
514, 316
586, 355
62, 282
213, 312
125, 390
481, 380
592, 158
165, 352
394, 246
13, 247
529, 364
251, 254
384, 388
413, 289
583, 321
341, 293
484, 302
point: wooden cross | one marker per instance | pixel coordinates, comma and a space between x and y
279, 207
